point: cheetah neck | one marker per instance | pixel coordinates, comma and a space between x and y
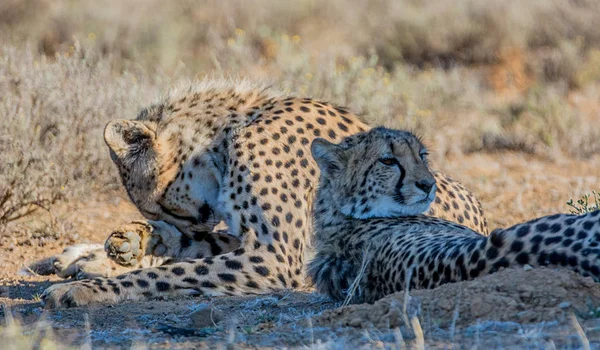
328, 216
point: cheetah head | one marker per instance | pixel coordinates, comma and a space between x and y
379, 173
167, 167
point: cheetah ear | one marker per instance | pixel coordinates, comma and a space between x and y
127, 138
328, 156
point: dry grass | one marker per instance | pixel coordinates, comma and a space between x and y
14, 337
53, 112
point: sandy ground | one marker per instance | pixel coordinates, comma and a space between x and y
536, 308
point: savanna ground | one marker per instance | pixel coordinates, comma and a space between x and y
506, 93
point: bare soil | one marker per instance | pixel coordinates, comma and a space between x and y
503, 302
534, 308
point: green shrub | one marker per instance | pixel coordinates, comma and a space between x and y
584, 204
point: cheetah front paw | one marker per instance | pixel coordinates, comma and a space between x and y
128, 244
65, 295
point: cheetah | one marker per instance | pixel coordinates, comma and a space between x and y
232, 152
371, 239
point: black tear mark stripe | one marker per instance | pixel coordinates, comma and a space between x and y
400, 181
402, 173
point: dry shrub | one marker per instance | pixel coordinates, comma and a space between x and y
12, 12
584, 205
153, 32
470, 31
589, 72
554, 35
444, 32
542, 122
22, 195
53, 114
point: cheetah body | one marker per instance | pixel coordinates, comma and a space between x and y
232, 152
395, 248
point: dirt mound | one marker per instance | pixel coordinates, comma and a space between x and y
513, 295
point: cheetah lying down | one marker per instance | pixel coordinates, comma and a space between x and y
368, 227
221, 151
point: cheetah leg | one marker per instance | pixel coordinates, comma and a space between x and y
252, 269
136, 245
143, 244
78, 261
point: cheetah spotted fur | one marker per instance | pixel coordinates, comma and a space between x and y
224, 151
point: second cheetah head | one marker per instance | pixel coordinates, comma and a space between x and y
378, 173
167, 167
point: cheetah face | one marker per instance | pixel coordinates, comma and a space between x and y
166, 180
379, 173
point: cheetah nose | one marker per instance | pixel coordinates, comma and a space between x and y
425, 185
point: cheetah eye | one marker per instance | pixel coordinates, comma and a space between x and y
388, 161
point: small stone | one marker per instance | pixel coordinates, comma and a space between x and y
526, 288
526, 295
526, 316
480, 307
564, 305
527, 267
206, 317
356, 322
446, 304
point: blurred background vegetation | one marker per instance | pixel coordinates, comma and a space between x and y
471, 76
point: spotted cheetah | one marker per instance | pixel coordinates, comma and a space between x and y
373, 188
224, 151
